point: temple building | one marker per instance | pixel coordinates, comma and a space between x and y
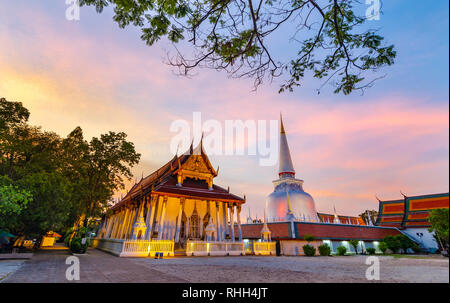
179, 210
292, 214
177, 204
410, 215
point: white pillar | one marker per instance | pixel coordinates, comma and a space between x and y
154, 203
232, 222
180, 215
133, 217
218, 236
161, 220
117, 225
239, 222
225, 220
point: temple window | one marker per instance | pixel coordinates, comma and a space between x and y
194, 225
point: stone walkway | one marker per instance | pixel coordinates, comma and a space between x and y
97, 266
100, 267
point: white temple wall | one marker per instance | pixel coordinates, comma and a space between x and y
423, 237
295, 247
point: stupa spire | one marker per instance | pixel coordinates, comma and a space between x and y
286, 167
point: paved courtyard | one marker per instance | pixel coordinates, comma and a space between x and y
98, 266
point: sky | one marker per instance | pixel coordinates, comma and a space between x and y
347, 149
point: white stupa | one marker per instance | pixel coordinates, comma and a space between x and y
288, 199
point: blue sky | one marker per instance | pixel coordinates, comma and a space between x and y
347, 148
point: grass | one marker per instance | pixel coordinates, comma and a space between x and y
399, 256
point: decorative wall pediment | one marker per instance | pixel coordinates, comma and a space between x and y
196, 168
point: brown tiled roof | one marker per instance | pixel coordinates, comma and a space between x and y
343, 219
196, 189
282, 230
163, 181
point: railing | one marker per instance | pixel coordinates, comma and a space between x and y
264, 248
161, 246
204, 248
135, 248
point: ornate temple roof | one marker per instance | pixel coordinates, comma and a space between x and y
410, 211
164, 181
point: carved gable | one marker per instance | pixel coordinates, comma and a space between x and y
196, 163
197, 168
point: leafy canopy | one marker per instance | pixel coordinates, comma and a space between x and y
61, 181
332, 41
439, 220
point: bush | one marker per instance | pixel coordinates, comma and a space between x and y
309, 250
382, 247
393, 243
309, 238
341, 250
370, 250
354, 244
74, 239
416, 248
324, 250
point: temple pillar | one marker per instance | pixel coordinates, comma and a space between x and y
138, 210
154, 202
161, 220
113, 225
117, 225
225, 220
123, 223
232, 222
180, 215
239, 221
218, 235
133, 217
148, 221
108, 228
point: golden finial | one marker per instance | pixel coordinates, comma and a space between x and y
281, 125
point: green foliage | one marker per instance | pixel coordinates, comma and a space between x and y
416, 248
405, 242
309, 238
309, 250
324, 250
355, 244
74, 240
383, 247
66, 179
439, 220
341, 250
336, 46
370, 250
12, 202
369, 213
392, 242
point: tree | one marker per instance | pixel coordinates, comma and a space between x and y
69, 179
392, 243
405, 242
331, 39
12, 202
99, 168
439, 220
355, 244
369, 213
309, 238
